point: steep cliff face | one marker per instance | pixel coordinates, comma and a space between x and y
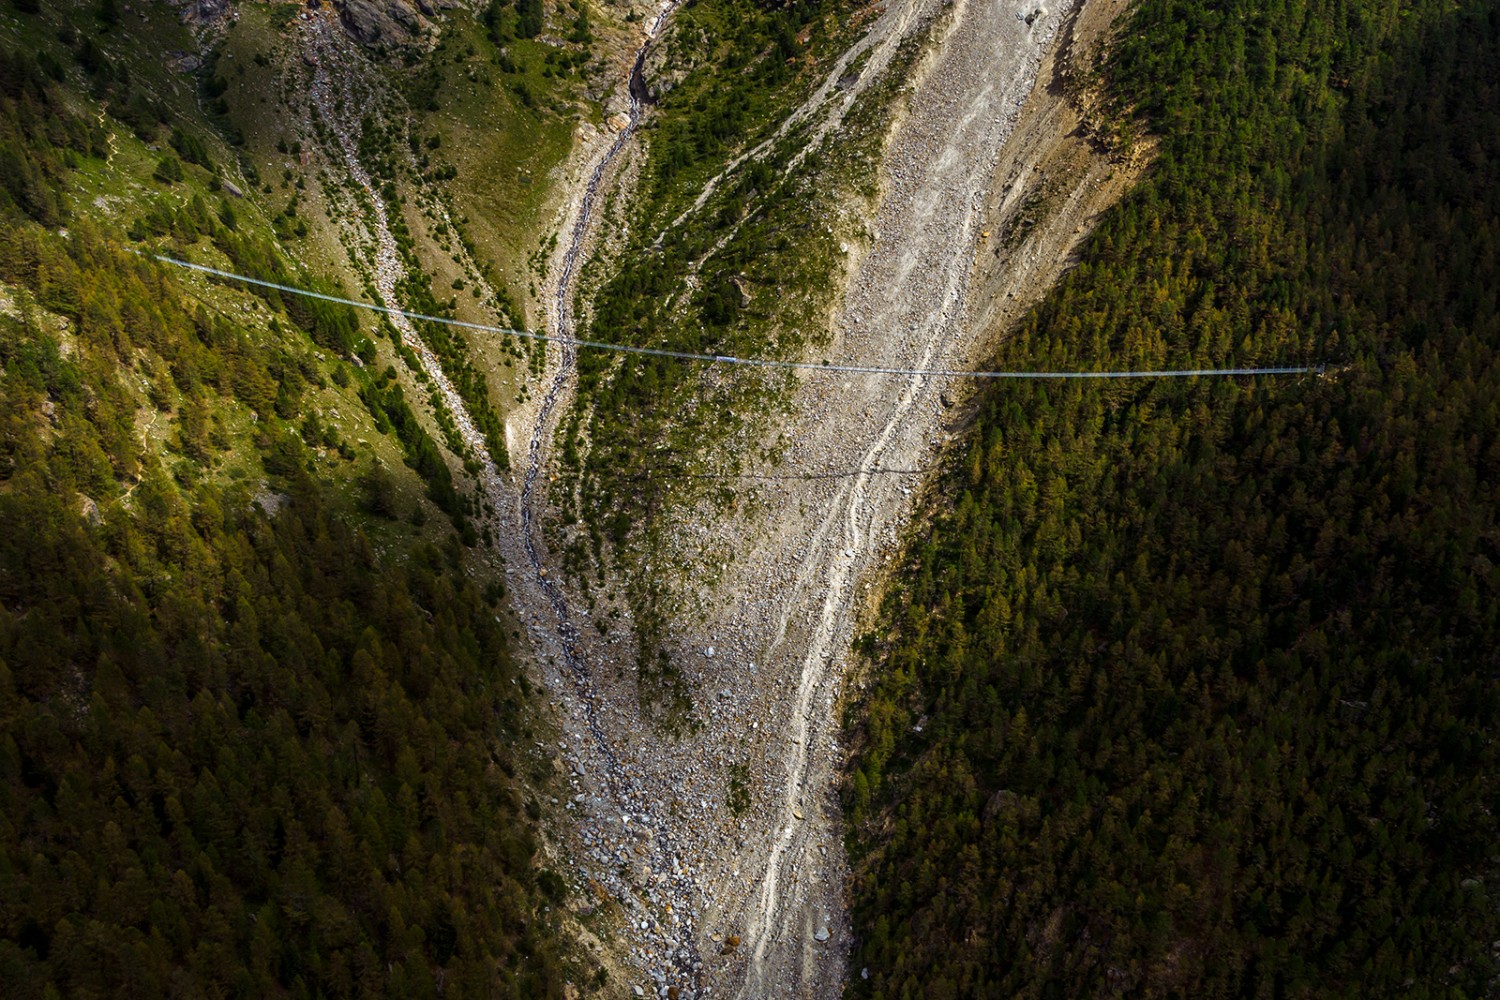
390, 22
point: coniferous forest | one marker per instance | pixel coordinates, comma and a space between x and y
242, 752
1187, 688
1192, 688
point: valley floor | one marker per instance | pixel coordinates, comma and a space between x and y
756, 906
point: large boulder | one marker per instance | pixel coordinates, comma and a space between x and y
383, 22
201, 11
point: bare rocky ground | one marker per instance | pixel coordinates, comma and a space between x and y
789, 603
692, 900
989, 134
1053, 178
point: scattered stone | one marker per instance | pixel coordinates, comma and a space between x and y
88, 508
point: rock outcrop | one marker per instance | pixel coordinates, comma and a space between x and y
383, 22
201, 11
664, 67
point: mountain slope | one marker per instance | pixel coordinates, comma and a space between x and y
1191, 687
260, 708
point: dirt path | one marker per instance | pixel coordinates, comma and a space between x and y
109, 136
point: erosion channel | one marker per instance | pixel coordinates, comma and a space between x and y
755, 905
661, 916
752, 902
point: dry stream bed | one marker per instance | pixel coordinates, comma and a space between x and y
710, 903
756, 904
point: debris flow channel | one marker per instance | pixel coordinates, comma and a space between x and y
672, 961
672, 878
662, 912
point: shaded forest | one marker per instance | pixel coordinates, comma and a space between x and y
1192, 688
242, 752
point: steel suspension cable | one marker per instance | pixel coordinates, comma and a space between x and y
726, 359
